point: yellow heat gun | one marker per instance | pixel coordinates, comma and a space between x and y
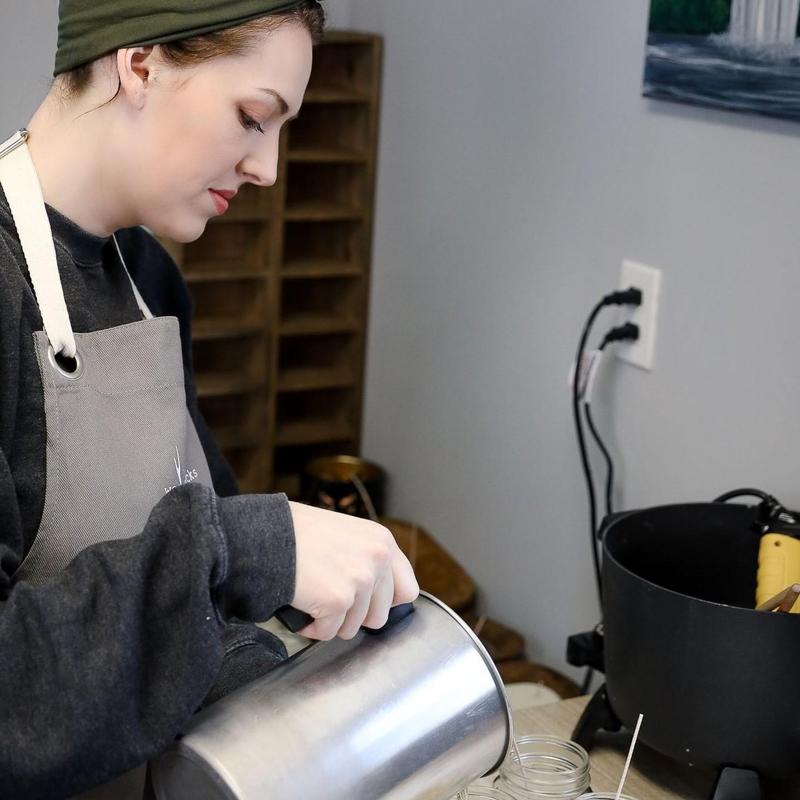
778, 576
778, 566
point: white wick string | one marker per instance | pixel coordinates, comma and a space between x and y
515, 750
630, 755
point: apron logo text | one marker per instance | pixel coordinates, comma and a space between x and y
184, 476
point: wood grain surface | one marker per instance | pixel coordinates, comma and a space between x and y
651, 776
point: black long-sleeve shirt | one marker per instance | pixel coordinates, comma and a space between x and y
102, 665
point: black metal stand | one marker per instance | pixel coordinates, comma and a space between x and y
597, 716
732, 783
737, 784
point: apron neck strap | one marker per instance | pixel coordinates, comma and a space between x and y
24, 194
146, 313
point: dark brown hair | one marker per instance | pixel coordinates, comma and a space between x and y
233, 41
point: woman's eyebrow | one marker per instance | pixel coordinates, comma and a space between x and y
284, 106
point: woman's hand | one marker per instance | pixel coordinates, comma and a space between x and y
350, 572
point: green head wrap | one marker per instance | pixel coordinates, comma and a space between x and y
88, 29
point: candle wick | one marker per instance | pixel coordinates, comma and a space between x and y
515, 748
630, 756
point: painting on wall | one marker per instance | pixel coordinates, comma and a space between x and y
740, 55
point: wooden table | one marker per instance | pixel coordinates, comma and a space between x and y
651, 775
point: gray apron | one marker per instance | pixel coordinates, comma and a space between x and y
119, 435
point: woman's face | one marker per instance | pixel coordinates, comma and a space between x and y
214, 126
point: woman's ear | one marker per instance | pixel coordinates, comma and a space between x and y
135, 66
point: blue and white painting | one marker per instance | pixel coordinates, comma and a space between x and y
741, 55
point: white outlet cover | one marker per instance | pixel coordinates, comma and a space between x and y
642, 352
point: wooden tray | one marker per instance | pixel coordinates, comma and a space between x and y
529, 672
502, 643
437, 571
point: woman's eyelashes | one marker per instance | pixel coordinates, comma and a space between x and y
250, 123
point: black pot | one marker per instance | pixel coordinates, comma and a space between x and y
718, 682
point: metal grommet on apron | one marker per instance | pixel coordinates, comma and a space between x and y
74, 373
119, 434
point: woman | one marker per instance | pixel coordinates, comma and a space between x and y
129, 569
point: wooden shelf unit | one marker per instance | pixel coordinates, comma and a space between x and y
280, 283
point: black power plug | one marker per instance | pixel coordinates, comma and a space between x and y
629, 332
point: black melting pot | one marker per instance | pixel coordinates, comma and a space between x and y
718, 682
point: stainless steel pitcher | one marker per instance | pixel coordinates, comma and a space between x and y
414, 712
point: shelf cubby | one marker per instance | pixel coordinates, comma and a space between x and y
251, 203
309, 363
204, 330
310, 418
326, 191
323, 241
337, 297
344, 68
233, 246
280, 283
230, 366
331, 134
237, 416
242, 300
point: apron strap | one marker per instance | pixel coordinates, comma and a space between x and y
24, 194
139, 299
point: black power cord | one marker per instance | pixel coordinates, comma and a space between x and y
770, 511
767, 498
632, 297
627, 332
587, 410
622, 333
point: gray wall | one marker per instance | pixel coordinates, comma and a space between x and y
519, 166
28, 35
340, 13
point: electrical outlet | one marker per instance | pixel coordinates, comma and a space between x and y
640, 353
